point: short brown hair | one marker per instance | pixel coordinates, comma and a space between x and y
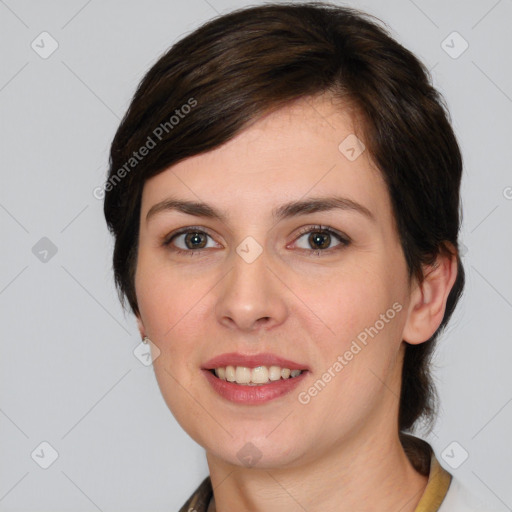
248, 62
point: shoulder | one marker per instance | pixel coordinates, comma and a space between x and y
461, 499
200, 498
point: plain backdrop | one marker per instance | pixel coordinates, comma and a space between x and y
73, 394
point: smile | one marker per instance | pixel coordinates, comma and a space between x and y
251, 393
255, 376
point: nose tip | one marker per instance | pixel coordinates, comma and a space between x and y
250, 297
246, 320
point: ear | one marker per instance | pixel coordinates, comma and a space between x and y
428, 299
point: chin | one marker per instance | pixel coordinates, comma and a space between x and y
258, 451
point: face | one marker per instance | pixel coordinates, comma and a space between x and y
325, 288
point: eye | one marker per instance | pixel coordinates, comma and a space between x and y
320, 238
193, 240
188, 241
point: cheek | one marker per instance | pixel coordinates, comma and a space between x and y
356, 360
167, 310
164, 294
362, 314
164, 302
351, 298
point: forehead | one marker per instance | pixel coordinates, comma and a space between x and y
312, 147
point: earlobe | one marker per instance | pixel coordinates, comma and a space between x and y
428, 300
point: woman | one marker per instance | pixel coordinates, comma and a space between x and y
284, 196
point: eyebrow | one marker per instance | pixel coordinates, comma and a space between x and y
288, 210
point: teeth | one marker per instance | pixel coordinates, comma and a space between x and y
274, 373
242, 375
230, 373
259, 375
254, 376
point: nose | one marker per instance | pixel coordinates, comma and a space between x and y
251, 297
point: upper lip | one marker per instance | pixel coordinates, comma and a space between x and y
252, 361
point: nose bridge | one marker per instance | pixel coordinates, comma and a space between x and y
251, 295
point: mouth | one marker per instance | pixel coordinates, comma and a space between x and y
242, 390
253, 379
257, 376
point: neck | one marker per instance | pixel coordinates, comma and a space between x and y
369, 476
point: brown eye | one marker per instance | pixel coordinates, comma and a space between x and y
188, 241
195, 240
320, 240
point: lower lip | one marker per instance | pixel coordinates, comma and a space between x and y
253, 394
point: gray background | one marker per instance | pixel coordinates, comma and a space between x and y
69, 376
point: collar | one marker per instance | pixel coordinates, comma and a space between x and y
437, 487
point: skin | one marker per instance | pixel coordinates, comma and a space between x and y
341, 450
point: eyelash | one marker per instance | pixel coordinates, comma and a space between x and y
345, 241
